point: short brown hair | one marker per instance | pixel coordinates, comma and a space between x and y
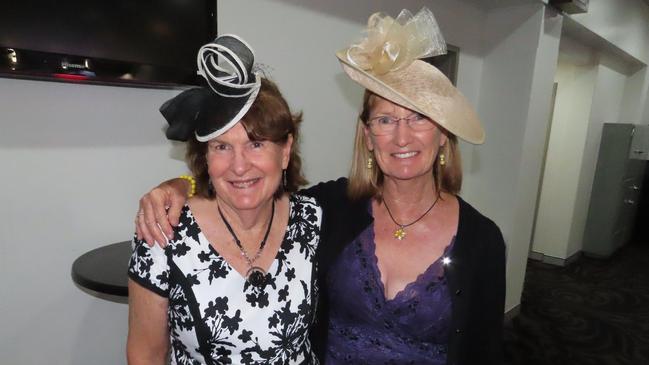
367, 183
268, 119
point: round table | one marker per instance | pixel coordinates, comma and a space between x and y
104, 269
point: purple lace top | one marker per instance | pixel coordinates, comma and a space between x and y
367, 328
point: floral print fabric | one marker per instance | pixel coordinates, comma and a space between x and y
215, 316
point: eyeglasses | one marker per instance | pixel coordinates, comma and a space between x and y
384, 124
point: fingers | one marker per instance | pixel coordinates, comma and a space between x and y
176, 191
160, 208
160, 202
176, 205
142, 229
152, 215
138, 232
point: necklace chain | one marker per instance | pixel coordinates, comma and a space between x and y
400, 233
249, 260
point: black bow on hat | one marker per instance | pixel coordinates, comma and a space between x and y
232, 87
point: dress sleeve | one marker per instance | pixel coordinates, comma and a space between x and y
149, 267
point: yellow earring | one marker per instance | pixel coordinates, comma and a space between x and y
442, 159
370, 163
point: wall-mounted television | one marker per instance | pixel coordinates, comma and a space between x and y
150, 43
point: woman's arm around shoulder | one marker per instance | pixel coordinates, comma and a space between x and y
148, 331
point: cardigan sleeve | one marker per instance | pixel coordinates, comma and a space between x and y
493, 295
330, 192
477, 281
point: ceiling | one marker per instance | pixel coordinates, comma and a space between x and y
608, 53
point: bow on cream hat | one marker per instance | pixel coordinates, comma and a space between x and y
387, 62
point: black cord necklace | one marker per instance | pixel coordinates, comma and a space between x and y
400, 233
255, 274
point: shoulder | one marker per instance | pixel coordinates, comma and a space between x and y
331, 188
305, 220
302, 201
307, 207
469, 214
186, 234
186, 211
186, 220
476, 225
341, 213
332, 197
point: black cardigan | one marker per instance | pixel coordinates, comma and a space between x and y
476, 275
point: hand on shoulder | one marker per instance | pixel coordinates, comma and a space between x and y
160, 210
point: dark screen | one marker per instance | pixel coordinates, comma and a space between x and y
164, 33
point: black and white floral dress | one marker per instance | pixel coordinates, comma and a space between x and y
215, 316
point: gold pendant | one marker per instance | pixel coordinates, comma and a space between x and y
400, 234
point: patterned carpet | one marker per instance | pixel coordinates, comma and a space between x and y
592, 312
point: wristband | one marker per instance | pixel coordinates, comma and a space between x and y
192, 184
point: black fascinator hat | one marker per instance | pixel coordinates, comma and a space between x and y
231, 88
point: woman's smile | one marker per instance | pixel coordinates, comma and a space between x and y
245, 184
404, 155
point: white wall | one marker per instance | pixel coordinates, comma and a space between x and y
75, 160
606, 108
635, 96
505, 94
645, 115
564, 157
588, 95
533, 152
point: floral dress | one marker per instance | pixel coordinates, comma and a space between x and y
215, 316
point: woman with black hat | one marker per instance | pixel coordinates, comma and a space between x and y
219, 291
409, 272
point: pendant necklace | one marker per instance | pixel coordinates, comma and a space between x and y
400, 233
255, 275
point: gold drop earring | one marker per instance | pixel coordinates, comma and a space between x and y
442, 159
370, 163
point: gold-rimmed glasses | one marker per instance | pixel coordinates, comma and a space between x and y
386, 124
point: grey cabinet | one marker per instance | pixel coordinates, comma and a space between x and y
640, 143
616, 188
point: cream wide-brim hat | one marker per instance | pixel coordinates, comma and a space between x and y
423, 88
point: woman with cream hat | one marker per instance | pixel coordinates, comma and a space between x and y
409, 272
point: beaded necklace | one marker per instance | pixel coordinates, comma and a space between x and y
255, 275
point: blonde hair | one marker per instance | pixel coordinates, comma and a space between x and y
366, 183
